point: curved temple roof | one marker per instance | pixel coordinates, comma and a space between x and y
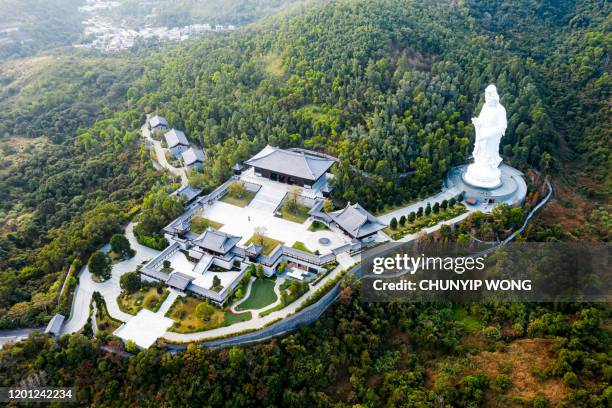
297, 164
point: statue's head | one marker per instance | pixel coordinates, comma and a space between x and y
491, 95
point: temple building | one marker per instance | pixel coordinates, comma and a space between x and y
299, 168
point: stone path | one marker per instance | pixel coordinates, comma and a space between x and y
160, 152
257, 312
279, 282
109, 289
244, 298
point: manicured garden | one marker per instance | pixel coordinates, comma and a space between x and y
302, 247
423, 218
200, 224
149, 297
238, 195
317, 226
267, 243
262, 294
295, 213
186, 319
290, 292
104, 322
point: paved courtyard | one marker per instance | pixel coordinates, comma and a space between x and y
144, 328
243, 222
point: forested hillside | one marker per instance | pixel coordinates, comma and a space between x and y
388, 86
29, 26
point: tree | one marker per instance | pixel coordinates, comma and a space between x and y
419, 213
402, 220
436, 208
428, 209
204, 311
444, 204
121, 246
131, 347
166, 264
452, 202
130, 282
237, 189
259, 271
259, 236
100, 265
393, 223
216, 281
328, 206
292, 201
411, 216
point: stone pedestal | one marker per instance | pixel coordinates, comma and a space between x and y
482, 176
511, 188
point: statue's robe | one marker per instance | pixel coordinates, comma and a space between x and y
490, 127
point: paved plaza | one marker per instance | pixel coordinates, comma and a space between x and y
144, 328
243, 222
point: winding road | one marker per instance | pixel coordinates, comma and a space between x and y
110, 289
160, 153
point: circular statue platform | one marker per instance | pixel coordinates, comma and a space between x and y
512, 189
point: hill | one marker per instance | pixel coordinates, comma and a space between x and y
388, 86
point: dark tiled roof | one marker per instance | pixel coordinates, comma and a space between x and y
176, 137
179, 280
356, 221
192, 155
216, 241
298, 164
157, 121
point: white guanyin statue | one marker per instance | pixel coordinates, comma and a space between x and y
490, 126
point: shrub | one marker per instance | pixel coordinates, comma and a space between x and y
502, 383
131, 347
100, 265
130, 282
402, 220
204, 311
393, 223
121, 246
570, 379
150, 300
539, 402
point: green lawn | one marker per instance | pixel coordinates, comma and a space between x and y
300, 245
299, 214
230, 318
243, 201
268, 243
262, 294
317, 226
199, 224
